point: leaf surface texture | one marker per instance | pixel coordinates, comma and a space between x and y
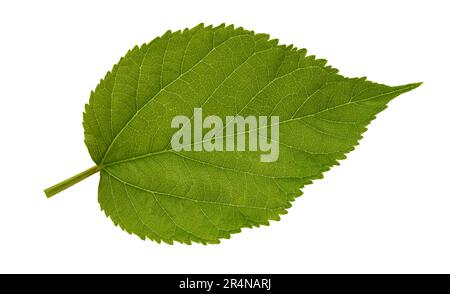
154, 192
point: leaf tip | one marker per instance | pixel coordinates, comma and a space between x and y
412, 86
408, 87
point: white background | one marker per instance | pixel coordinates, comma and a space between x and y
386, 209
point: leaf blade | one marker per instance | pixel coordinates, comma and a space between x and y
154, 192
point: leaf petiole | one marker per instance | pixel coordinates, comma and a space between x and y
53, 190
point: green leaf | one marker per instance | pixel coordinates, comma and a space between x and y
155, 192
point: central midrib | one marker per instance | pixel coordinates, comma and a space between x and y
280, 123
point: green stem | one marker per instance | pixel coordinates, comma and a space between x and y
70, 181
